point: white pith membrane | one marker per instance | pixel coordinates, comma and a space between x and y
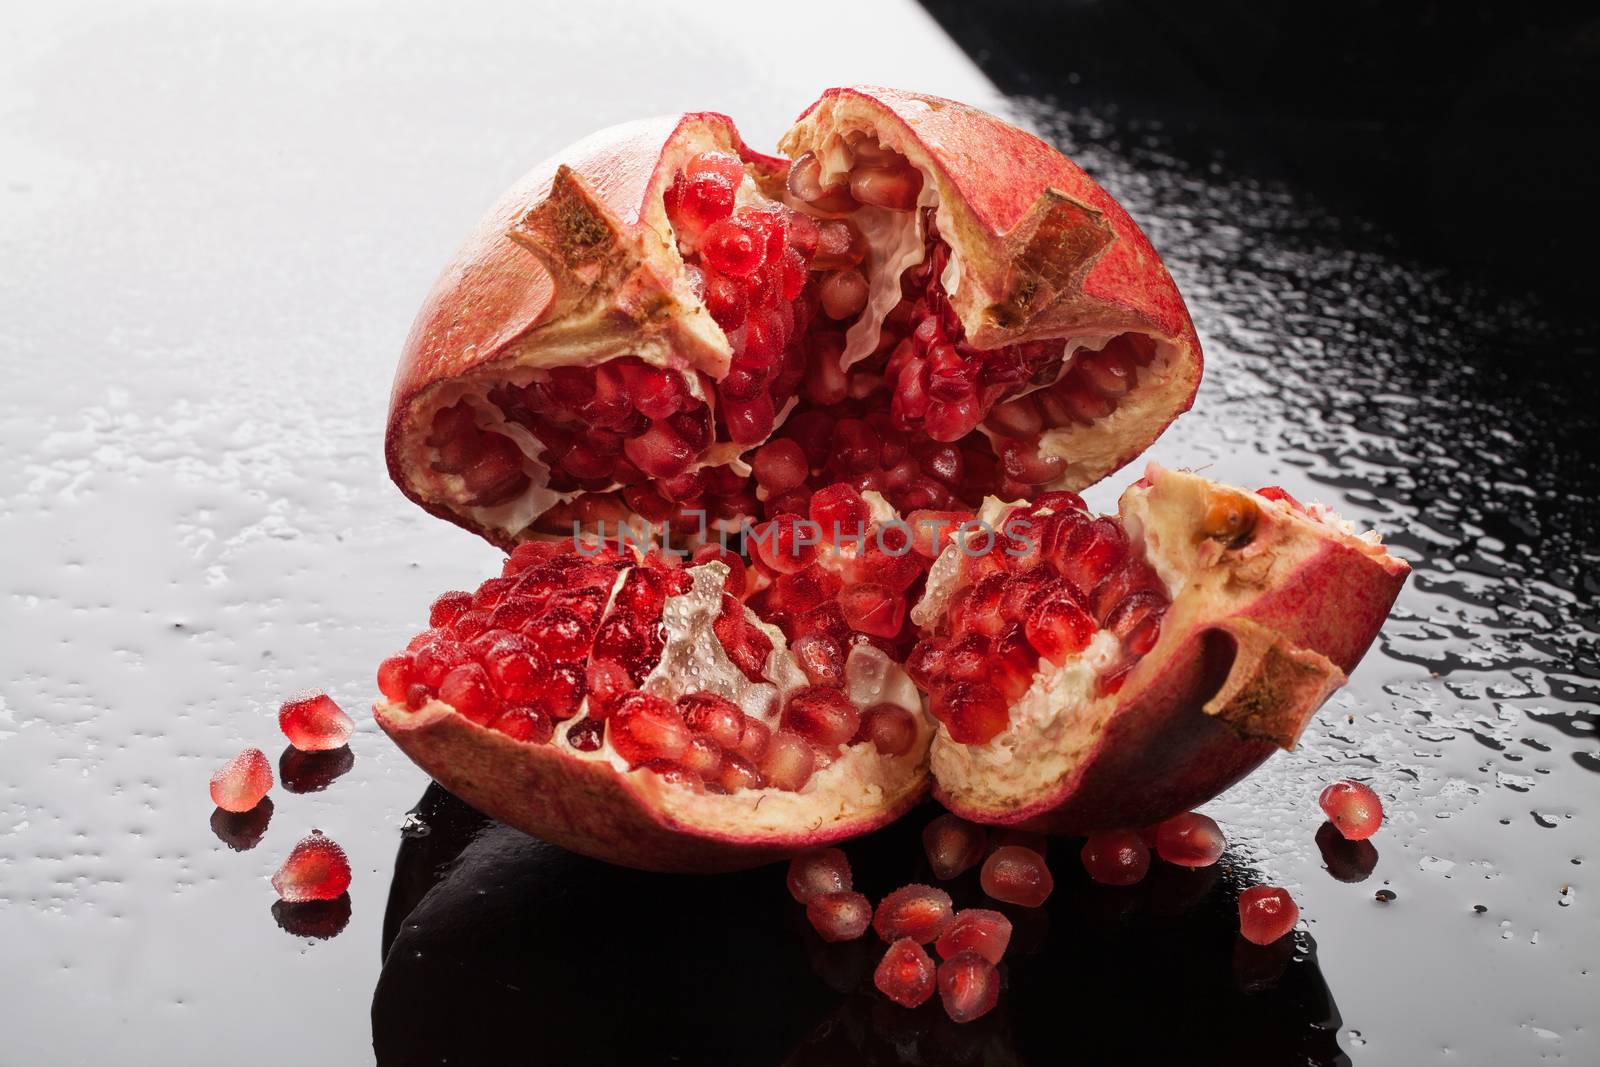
896, 243
1057, 721
858, 783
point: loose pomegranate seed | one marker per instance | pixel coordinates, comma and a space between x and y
906, 975
841, 916
585, 734
891, 728
1016, 875
969, 986
823, 870
1354, 809
1266, 913
468, 690
1116, 857
919, 912
315, 723
1190, 840
714, 717
977, 930
239, 784
953, 845
788, 761
644, 727
316, 869
524, 722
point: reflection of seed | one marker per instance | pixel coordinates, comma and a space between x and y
1385, 895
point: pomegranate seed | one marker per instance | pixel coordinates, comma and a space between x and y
821, 658
805, 183
976, 930
714, 162
737, 580
644, 727
316, 869
315, 723
528, 555
891, 728
1016, 875
788, 761
927, 663
629, 641
973, 712
839, 512
585, 734
757, 735
1190, 840
714, 717
727, 301
738, 773
906, 974
839, 916
732, 248
780, 465
1116, 857
705, 199
524, 722
437, 658
1266, 913
839, 244
447, 608
660, 452
607, 680
395, 676
239, 784
469, 691
823, 870
787, 544
1354, 809
843, 293
953, 845
893, 187
1058, 627
873, 609
919, 912
969, 986
703, 758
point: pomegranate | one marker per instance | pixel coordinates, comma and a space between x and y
858, 356
926, 301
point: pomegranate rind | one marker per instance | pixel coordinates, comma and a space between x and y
1042, 251
1259, 634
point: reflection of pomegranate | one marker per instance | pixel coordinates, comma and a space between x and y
858, 355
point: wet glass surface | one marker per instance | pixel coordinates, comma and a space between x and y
214, 231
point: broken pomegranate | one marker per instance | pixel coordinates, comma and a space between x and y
239, 784
1266, 913
1353, 809
314, 723
906, 975
316, 869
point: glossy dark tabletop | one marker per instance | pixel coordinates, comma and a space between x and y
215, 227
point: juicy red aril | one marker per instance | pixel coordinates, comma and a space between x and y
787, 544
788, 761
660, 452
757, 736
395, 676
839, 510
1353, 808
315, 723
919, 912
1116, 857
977, 930
873, 609
437, 658
823, 870
1016, 875
841, 916
629, 641
1190, 840
953, 845
607, 681
732, 248
805, 182
780, 465
973, 712
713, 716
705, 199
703, 758
893, 187
843, 293
714, 162
891, 728
906, 975
738, 773
447, 607
821, 658
644, 727
316, 869
969, 986
1058, 627
239, 784
745, 645
585, 734
468, 690
643, 593
524, 722
1266, 913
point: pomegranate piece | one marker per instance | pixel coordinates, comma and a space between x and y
239, 784
643, 727
316, 869
842, 916
969, 986
919, 912
953, 845
1354, 809
314, 723
1266, 913
1190, 840
825, 870
1116, 857
906, 974
1016, 875
977, 930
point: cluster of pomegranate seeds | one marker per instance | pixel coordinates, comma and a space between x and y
953, 846
1036, 588
489, 465
241, 783
1190, 840
1353, 809
314, 723
316, 869
821, 880
1016, 875
919, 912
1116, 857
1266, 913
